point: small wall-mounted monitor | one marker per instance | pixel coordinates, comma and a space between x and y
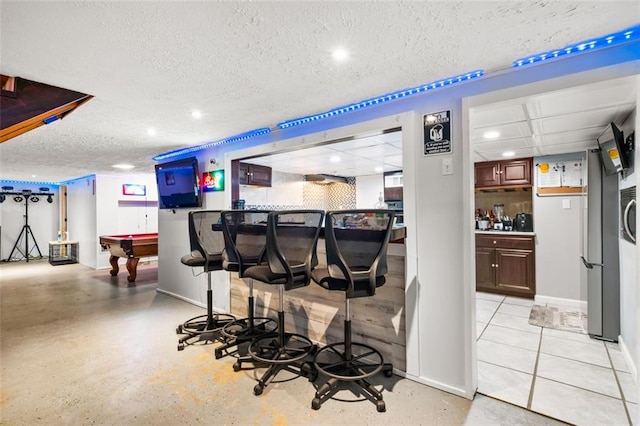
613, 150
134, 189
178, 184
213, 181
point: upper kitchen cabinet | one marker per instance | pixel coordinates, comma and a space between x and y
506, 173
253, 174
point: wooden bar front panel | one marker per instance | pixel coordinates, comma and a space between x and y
319, 314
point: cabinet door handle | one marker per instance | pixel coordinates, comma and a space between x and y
494, 242
493, 265
497, 265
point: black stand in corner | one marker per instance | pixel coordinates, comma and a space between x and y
26, 232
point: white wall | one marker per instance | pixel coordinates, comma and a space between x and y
368, 189
118, 214
558, 242
181, 281
628, 265
286, 190
81, 218
43, 221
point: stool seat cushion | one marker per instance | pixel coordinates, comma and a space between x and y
195, 259
360, 287
231, 266
263, 274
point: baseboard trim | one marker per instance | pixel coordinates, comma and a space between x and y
628, 359
436, 384
558, 301
184, 299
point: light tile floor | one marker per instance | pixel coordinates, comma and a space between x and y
564, 375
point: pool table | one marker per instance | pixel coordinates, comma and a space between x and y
133, 247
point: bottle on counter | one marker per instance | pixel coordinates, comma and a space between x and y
492, 219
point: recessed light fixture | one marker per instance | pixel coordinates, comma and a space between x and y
379, 169
151, 132
340, 54
334, 159
33, 176
508, 154
196, 114
123, 166
491, 134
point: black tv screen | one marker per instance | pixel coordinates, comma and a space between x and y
178, 184
613, 150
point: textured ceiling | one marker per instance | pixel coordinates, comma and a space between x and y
249, 64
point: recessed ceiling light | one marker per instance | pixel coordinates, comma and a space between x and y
340, 54
196, 114
151, 132
33, 176
491, 134
123, 166
334, 159
508, 154
379, 169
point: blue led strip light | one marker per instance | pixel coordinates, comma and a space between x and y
237, 138
26, 182
624, 36
383, 99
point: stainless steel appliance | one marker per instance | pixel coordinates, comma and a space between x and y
600, 253
628, 214
399, 209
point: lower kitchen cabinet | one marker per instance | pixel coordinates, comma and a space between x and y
506, 265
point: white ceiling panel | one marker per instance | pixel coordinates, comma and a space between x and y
584, 98
506, 130
499, 114
597, 118
565, 148
511, 144
582, 135
519, 153
571, 119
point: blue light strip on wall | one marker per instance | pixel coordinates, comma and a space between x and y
624, 36
26, 182
382, 99
237, 138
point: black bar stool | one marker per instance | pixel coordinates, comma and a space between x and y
290, 254
245, 235
207, 243
356, 245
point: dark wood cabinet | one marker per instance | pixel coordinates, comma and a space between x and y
253, 174
506, 265
393, 184
504, 173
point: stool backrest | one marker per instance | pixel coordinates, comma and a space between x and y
292, 237
245, 236
205, 234
356, 244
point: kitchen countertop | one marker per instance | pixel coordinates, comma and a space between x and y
506, 233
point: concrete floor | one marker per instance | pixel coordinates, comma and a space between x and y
79, 347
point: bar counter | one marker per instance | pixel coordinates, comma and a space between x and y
319, 314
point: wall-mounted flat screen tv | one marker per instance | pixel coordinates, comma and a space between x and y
613, 150
213, 181
178, 184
